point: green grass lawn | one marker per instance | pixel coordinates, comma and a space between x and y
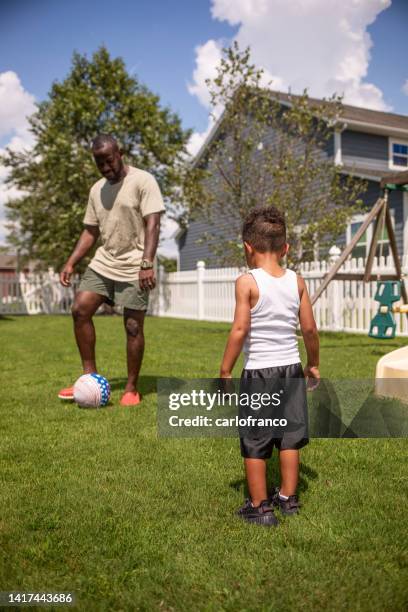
93, 502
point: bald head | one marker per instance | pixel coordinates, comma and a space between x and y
108, 157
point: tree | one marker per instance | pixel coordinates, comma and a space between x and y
98, 95
169, 263
265, 152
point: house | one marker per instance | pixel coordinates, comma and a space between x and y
9, 265
369, 145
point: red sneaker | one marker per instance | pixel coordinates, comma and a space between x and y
131, 398
67, 393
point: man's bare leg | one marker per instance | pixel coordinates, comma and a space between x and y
85, 305
134, 322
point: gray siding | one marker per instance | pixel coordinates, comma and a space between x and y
330, 147
354, 144
191, 252
360, 144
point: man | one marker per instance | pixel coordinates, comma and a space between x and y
124, 209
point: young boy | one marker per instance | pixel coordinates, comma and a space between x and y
269, 302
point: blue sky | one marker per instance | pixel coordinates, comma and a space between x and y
388, 67
157, 40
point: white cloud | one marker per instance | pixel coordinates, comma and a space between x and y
321, 45
16, 104
197, 139
207, 58
168, 246
405, 87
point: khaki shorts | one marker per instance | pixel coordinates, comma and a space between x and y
127, 295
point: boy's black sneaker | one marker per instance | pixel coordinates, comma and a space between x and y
260, 515
287, 506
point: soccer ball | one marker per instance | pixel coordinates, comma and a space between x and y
91, 391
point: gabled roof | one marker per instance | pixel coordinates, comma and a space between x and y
355, 118
8, 260
357, 115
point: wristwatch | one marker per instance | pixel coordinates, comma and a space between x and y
146, 264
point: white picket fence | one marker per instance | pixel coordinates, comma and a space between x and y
35, 294
208, 294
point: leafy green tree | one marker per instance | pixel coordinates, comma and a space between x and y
267, 153
169, 264
98, 95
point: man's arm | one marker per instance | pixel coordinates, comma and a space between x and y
240, 326
152, 232
86, 241
309, 331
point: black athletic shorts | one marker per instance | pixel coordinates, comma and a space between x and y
287, 386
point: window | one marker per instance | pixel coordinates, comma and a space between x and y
398, 154
383, 244
363, 245
361, 248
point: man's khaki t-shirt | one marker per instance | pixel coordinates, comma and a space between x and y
118, 210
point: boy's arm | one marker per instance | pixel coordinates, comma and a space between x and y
240, 326
309, 331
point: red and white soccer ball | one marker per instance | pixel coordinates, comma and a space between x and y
91, 391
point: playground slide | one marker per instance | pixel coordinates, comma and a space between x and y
391, 376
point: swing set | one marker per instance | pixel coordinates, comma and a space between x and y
390, 287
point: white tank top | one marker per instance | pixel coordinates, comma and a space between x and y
271, 340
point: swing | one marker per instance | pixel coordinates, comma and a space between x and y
383, 325
390, 287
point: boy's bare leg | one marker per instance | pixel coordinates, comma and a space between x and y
256, 478
134, 320
84, 307
289, 469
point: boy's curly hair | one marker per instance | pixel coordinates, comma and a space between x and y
264, 229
